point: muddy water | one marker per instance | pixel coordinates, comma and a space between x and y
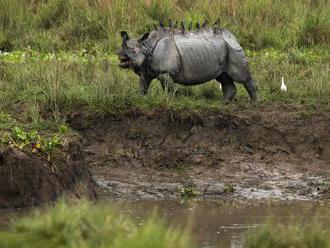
213, 223
224, 224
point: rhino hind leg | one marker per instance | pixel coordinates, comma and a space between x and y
228, 87
251, 88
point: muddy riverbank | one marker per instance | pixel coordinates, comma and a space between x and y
271, 152
275, 152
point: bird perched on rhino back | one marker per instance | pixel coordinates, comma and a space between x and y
188, 57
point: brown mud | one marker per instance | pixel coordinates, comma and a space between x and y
30, 180
276, 152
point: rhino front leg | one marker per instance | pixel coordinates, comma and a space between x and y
167, 83
144, 84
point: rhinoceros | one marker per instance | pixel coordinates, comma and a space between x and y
189, 57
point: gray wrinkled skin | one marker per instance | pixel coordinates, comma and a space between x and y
188, 58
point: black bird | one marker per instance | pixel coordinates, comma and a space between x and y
190, 26
205, 24
197, 26
216, 26
161, 24
217, 23
183, 28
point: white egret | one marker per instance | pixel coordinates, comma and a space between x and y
283, 86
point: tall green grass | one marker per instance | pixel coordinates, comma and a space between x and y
71, 24
55, 85
296, 234
85, 225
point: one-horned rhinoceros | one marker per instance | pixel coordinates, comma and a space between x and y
188, 58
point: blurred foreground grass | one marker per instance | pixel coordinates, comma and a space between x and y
295, 234
85, 225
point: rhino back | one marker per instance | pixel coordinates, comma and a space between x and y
202, 57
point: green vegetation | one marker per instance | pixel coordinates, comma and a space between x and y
229, 188
54, 25
188, 189
30, 141
86, 225
296, 234
37, 83
325, 187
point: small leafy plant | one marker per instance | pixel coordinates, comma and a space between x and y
31, 141
325, 186
229, 188
188, 189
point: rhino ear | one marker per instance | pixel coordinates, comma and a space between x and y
124, 35
144, 37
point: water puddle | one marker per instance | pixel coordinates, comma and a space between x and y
224, 223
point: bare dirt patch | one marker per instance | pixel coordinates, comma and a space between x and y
264, 152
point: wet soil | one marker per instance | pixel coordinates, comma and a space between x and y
275, 152
30, 180
278, 152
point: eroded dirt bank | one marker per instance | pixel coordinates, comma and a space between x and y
268, 152
256, 153
29, 180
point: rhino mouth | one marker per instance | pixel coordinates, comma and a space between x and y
125, 61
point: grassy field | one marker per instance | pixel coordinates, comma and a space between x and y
52, 25
57, 56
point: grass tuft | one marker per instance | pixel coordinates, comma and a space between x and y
295, 234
